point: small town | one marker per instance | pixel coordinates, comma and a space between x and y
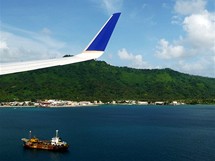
63, 103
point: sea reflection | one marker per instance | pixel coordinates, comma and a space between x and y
45, 154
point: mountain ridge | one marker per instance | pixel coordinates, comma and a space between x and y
97, 80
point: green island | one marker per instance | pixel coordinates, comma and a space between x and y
97, 80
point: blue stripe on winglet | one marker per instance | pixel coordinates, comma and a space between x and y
99, 43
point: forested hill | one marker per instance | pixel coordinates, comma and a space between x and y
96, 80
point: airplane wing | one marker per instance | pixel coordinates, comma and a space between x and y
94, 50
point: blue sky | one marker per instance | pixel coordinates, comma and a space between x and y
176, 34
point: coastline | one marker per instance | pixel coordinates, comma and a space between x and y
73, 104
48, 106
62, 103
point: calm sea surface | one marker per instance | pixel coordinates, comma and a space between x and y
112, 133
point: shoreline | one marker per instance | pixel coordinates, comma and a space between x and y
82, 106
48, 106
74, 104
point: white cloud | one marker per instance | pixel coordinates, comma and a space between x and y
3, 45
168, 51
186, 7
194, 52
110, 6
21, 45
176, 19
200, 29
136, 61
201, 66
46, 31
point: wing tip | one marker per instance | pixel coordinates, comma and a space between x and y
101, 39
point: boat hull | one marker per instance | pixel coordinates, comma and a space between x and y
44, 145
51, 148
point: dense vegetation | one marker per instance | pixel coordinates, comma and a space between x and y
96, 80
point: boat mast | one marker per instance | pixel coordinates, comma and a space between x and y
30, 134
56, 133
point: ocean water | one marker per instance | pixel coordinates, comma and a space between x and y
112, 133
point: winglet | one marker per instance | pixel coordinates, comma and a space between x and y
101, 39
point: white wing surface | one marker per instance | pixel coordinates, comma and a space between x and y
94, 50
